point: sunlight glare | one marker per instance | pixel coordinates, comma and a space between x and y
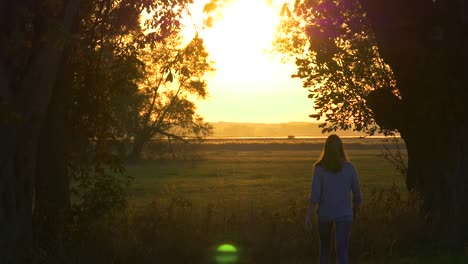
250, 84
239, 40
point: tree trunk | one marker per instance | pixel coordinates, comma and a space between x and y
52, 196
137, 147
424, 42
16, 191
438, 170
25, 91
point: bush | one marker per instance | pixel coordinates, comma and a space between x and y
98, 189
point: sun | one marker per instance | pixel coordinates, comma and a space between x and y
250, 83
239, 41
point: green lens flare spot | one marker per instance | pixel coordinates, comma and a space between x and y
227, 248
226, 254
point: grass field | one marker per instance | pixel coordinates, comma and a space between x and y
253, 194
254, 171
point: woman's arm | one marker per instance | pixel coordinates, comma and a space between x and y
312, 209
313, 200
316, 189
357, 196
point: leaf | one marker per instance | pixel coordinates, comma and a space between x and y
170, 77
285, 10
210, 7
209, 22
316, 116
185, 71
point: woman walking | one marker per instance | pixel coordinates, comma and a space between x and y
333, 181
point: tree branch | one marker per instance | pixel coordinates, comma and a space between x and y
162, 132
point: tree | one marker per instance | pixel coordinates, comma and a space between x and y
38, 68
31, 52
342, 49
172, 75
327, 62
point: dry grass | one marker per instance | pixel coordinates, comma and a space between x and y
179, 211
176, 230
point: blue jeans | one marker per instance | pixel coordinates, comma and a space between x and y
343, 231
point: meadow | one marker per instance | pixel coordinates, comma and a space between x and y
262, 171
252, 194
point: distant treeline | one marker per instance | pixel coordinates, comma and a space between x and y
298, 129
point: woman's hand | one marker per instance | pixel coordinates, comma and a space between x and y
308, 223
308, 220
356, 210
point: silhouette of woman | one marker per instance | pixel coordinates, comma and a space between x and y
333, 181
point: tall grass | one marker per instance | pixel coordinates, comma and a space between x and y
177, 230
180, 211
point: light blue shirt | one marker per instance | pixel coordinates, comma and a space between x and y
332, 192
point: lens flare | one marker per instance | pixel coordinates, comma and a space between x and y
226, 254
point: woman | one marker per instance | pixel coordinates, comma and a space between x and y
334, 180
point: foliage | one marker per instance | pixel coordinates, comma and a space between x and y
99, 188
174, 74
337, 59
132, 83
107, 70
212, 10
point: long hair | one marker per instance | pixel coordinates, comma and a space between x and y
333, 154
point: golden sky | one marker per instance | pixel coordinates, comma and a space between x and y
249, 85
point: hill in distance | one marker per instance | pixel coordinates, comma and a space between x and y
297, 129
